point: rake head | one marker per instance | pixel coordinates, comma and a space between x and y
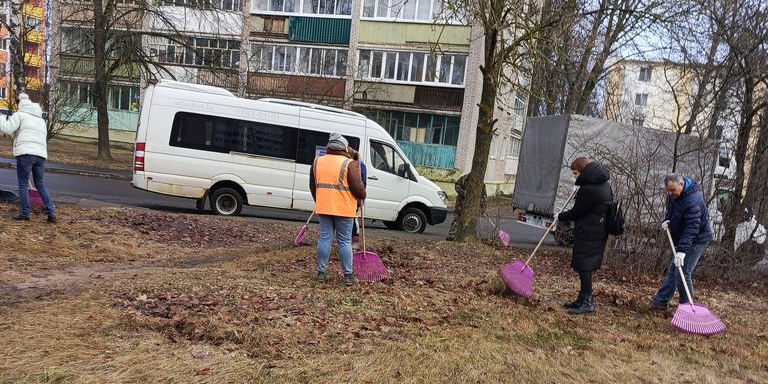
504, 237
697, 320
367, 266
518, 277
34, 198
300, 236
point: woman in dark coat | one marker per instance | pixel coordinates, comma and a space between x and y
589, 234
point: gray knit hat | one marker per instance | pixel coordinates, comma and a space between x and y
337, 142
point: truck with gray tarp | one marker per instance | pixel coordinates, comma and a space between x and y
637, 157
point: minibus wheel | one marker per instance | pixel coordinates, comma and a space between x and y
413, 220
226, 202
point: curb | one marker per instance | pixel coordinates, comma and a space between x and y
105, 175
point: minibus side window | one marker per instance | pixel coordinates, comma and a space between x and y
311, 141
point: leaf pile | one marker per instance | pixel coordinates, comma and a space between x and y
197, 231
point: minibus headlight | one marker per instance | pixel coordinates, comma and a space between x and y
443, 197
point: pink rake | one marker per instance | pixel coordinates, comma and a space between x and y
503, 236
518, 275
692, 318
303, 231
34, 196
367, 266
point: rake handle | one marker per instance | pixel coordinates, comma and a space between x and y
680, 269
362, 224
546, 233
310, 217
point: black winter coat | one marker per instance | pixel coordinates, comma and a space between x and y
588, 214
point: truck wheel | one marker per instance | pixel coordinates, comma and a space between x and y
226, 202
392, 225
412, 220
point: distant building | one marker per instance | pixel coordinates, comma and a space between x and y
33, 17
379, 58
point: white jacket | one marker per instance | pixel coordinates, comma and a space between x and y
28, 130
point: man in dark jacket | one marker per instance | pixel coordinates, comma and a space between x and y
461, 193
589, 234
688, 221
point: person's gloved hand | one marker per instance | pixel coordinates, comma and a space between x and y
679, 259
665, 225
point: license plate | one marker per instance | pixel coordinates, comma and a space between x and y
535, 220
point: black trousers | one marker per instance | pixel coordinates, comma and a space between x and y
585, 277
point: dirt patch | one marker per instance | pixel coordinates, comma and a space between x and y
195, 231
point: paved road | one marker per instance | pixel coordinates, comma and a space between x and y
72, 188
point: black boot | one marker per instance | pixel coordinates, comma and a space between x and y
587, 306
574, 304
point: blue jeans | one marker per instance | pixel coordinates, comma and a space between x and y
673, 282
26, 164
343, 228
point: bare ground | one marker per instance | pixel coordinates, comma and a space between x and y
135, 296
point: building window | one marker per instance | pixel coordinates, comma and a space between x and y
645, 74
638, 122
76, 42
123, 98
311, 7
641, 99
519, 113
494, 145
421, 128
32, 23
410, 67
409, 10
3, 93
221, 5
514, 147
203, 52
725, 157
4, 44
298, 60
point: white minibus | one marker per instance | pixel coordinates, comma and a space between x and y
204, 143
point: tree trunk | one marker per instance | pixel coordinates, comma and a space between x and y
100, 78
16, 50
467, 223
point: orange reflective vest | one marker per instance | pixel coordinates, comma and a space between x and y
332, 193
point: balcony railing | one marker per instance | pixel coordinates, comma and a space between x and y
439, 98
33, 60
296, 85
34, 12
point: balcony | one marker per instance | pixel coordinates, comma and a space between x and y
219, 78
429, 155
34, 83
439, 98
34, 12
83, 66
319, 30
33, 60
35, 37
276, 84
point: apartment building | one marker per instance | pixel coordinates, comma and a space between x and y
387, 59
33, 18
659, 95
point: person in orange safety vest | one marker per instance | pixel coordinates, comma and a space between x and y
336, 185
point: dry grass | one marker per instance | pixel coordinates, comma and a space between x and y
78, 152
254, 314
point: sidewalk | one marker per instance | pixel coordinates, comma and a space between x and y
75, 170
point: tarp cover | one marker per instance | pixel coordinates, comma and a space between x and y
541, 158
637, 157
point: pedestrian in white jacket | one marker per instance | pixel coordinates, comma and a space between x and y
30, 148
